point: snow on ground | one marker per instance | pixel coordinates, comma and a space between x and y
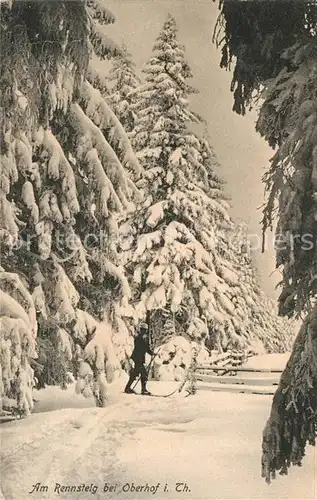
210, 441
268, 361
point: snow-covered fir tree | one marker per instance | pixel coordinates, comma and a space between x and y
168, 262
123, 80
253, 316
277, 64
66, 161
184, 277
18, 329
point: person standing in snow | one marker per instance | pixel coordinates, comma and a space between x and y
141, 347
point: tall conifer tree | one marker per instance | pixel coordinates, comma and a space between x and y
123, 80
184, 276
66, 161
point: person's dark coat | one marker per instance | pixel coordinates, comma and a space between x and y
141, 347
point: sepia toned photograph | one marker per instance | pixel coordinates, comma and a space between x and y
158, 249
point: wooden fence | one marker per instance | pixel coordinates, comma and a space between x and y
226, 373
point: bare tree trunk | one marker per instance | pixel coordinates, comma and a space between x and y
293, 419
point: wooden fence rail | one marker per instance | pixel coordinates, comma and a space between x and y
233, 378
235, 369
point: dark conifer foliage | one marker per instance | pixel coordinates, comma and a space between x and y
254, 34
273, 48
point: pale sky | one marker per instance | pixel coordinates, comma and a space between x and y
243, 154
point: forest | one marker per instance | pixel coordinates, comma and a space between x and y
114, 211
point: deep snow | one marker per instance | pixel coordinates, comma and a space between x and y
210, 441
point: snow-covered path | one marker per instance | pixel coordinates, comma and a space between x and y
211, 442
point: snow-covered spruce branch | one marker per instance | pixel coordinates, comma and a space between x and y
101, 114
99, 12
18, 329
293, 423
91, 137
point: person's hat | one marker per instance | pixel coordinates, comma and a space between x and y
144, 326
